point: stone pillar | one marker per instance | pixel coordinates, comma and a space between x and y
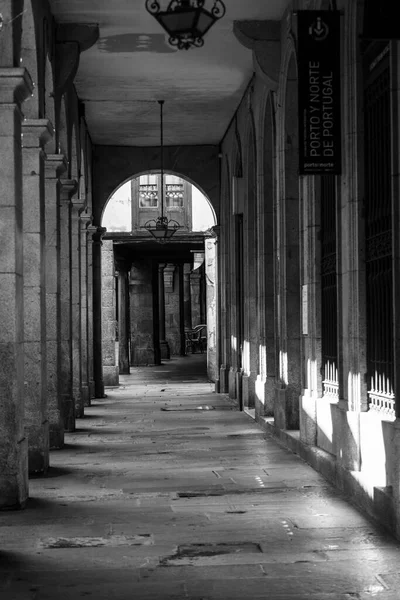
110, 366
195, 297
55, 165
182, 350
164, 347
172, 309
91, 231
76, 326
97, 342
142, 314
211, 302
35, 133
67, 188
123, 321
15, 86
186, 296
85, 220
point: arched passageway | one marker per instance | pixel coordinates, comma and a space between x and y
158, 299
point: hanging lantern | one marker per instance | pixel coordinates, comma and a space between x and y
161, 228
186, 21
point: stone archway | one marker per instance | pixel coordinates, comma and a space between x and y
147, 287
197, 164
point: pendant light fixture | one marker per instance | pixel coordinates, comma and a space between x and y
162, 228
186, 21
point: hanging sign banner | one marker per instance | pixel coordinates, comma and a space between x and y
319, 92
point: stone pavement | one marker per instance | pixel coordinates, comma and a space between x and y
166, 492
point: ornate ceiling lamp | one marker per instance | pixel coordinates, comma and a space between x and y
161, 228
186, 21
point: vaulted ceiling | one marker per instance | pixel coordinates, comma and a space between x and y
132, 66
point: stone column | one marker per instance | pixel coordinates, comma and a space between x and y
35, 133
195, 297
211, 305
123, 322
172, 310
110, 366
182, 350
142, 313
85, 220
55, 165
76, 326
67, 188
164, 347
15, 86
91, 231
97, 345
186, 296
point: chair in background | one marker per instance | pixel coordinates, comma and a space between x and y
196, 339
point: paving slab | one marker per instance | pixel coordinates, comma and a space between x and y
166, 492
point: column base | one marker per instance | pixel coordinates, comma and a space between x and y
38, 448
248, 390
111, 376
56, 437
264, 393
14, 486
85, 398
68, 404
86, 395
164, 350
286, 408
224, 379
79, 407
143, 356
99, 389
235, 386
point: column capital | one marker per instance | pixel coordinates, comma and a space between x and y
97, 235
92, 229
71, 40
36, 132
264, 39
78, 205
68, 187
122, 265
15, 85
86, 218
55, 165
215, 231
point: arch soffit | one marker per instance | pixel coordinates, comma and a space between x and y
225, 179
268, 129
236, 156
73, 153
267, 120
29, 59
11, 33
290, 54
250, 144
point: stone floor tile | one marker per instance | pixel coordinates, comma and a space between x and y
186, 503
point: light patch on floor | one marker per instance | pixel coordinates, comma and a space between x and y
145, 539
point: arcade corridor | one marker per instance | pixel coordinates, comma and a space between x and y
154, 496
